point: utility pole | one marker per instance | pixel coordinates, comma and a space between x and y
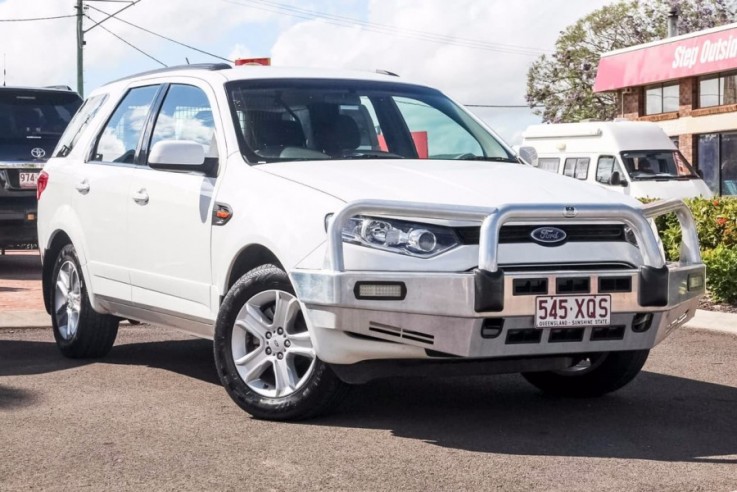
81, 31
80, 48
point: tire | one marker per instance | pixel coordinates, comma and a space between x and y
605, 373
80, 332
265, 365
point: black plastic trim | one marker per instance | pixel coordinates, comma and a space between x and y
653, 290
489, 291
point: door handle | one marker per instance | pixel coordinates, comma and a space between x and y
83, 186
140, 196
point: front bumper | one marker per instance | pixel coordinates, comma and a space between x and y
483, 314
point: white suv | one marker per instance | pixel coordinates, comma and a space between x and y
326, 228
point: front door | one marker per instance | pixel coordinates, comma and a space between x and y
170, 214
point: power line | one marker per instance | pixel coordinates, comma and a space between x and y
28, 19
128, 43
163, 37
344, 21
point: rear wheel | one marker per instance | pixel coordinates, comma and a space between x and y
264, 353
80, 332
592, 375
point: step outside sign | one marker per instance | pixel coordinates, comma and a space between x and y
690, 55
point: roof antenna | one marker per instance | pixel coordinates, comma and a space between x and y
187, 59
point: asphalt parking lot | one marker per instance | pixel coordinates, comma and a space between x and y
152, 415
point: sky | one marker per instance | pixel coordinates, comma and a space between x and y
476, 51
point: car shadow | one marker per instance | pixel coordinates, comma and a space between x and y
192, 358
657, 417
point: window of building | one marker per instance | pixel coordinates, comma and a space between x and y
577, 167
717, 161
718, 90
662, 98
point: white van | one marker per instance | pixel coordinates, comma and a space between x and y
635, 158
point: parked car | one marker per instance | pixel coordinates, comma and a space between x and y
634, 158
31, 122
286, 214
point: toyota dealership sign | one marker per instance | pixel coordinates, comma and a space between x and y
701, 53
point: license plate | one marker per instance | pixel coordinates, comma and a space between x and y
28, 180
564, 311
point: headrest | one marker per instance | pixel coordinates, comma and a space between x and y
278, 133
340, 134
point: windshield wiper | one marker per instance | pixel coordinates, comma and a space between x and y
487, 158
369, 156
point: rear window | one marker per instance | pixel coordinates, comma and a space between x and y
35, 114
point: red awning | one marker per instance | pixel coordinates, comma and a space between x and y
685, 56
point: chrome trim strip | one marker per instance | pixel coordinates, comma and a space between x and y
21, 165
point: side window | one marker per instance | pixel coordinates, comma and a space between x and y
119, 139
434, 133
75, 128
577, 167
605, 167
550, 164
186, 115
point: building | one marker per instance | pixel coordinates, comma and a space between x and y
688, 85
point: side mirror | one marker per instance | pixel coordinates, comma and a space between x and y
616, 179
180, 155
528, 155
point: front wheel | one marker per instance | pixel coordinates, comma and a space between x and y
592, 375
264, 353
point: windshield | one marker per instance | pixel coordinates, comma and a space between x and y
35, 114
288, 120
657, 164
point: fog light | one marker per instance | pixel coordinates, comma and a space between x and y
695, 281
380, 291
642, 322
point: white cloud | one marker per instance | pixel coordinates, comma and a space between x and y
44, 53
471, 76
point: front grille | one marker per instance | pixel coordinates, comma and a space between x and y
574, 233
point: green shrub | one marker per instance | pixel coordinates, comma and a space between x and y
721, 273
716, 224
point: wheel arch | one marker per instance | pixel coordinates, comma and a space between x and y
59, 239
248, 258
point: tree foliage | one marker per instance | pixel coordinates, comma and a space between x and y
562, 83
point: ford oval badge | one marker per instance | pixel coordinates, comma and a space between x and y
548, 235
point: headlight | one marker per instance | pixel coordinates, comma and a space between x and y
398, 236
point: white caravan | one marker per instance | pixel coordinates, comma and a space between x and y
635, 158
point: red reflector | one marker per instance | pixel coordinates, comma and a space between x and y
43, 180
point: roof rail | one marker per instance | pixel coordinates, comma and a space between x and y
193, 66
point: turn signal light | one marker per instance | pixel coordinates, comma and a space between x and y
41, 183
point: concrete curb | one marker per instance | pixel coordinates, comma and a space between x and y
703, 320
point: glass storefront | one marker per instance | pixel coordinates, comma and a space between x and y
717, 161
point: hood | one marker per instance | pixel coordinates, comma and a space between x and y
666, 189
472, 183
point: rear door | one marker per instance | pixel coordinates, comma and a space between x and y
170, 212
102, 193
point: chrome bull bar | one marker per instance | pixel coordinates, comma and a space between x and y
492, 220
